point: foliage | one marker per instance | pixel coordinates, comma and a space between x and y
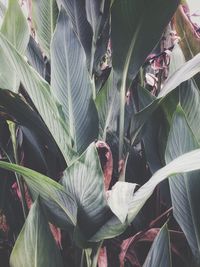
75, 72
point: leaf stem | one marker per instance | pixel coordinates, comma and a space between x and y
19, 179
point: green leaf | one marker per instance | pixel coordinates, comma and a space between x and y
184, 188
35, 245
136, 28
45, 13
2, 11
93, 13
15, 29
84, 180
15, 26
107, 103
185, 72
150, 133
39, 91
13, 107
185, 163
160, 253
59, 205
35, 57
71, 84
119, 197
98, 15
77, 14
189, 101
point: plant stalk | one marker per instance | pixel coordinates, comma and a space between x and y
19, 179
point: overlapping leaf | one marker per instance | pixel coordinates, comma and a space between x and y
45, 13
135, 30
107, 103
71, 84
160, 254
15, 29
185, 163
77, 13
35, 57
185, 72
35, 245
39, 91
13, 107
184, 188
60, 205
84, 180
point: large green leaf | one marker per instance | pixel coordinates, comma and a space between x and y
35, 245
77, 13
44, 14
2, 11
84, 180
136, 28
15, 29
185, 72
189, 95
185, 163
189, 101
35, 57
13, 107
93, 9
71, 84
119, 197
15, 26
160, 254
98, 15
60, 206
150, 132
184, 188
39, 91
107, 103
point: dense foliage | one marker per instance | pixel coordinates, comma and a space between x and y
99, 105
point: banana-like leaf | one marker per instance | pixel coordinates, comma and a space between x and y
98, 15
150, 132
136, 27
59, 205
84, 180
2, 11
35, 57
35, 245
15, 29
189, 95
107, 103
160, 253
184, 188
13, 107
71, 84
189, 101
39, 91
119, 197
77, 13
135, 30
185, 163
15, 26
185, 72
93, 9
44, 15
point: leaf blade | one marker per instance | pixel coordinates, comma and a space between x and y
35, 242
71, 84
